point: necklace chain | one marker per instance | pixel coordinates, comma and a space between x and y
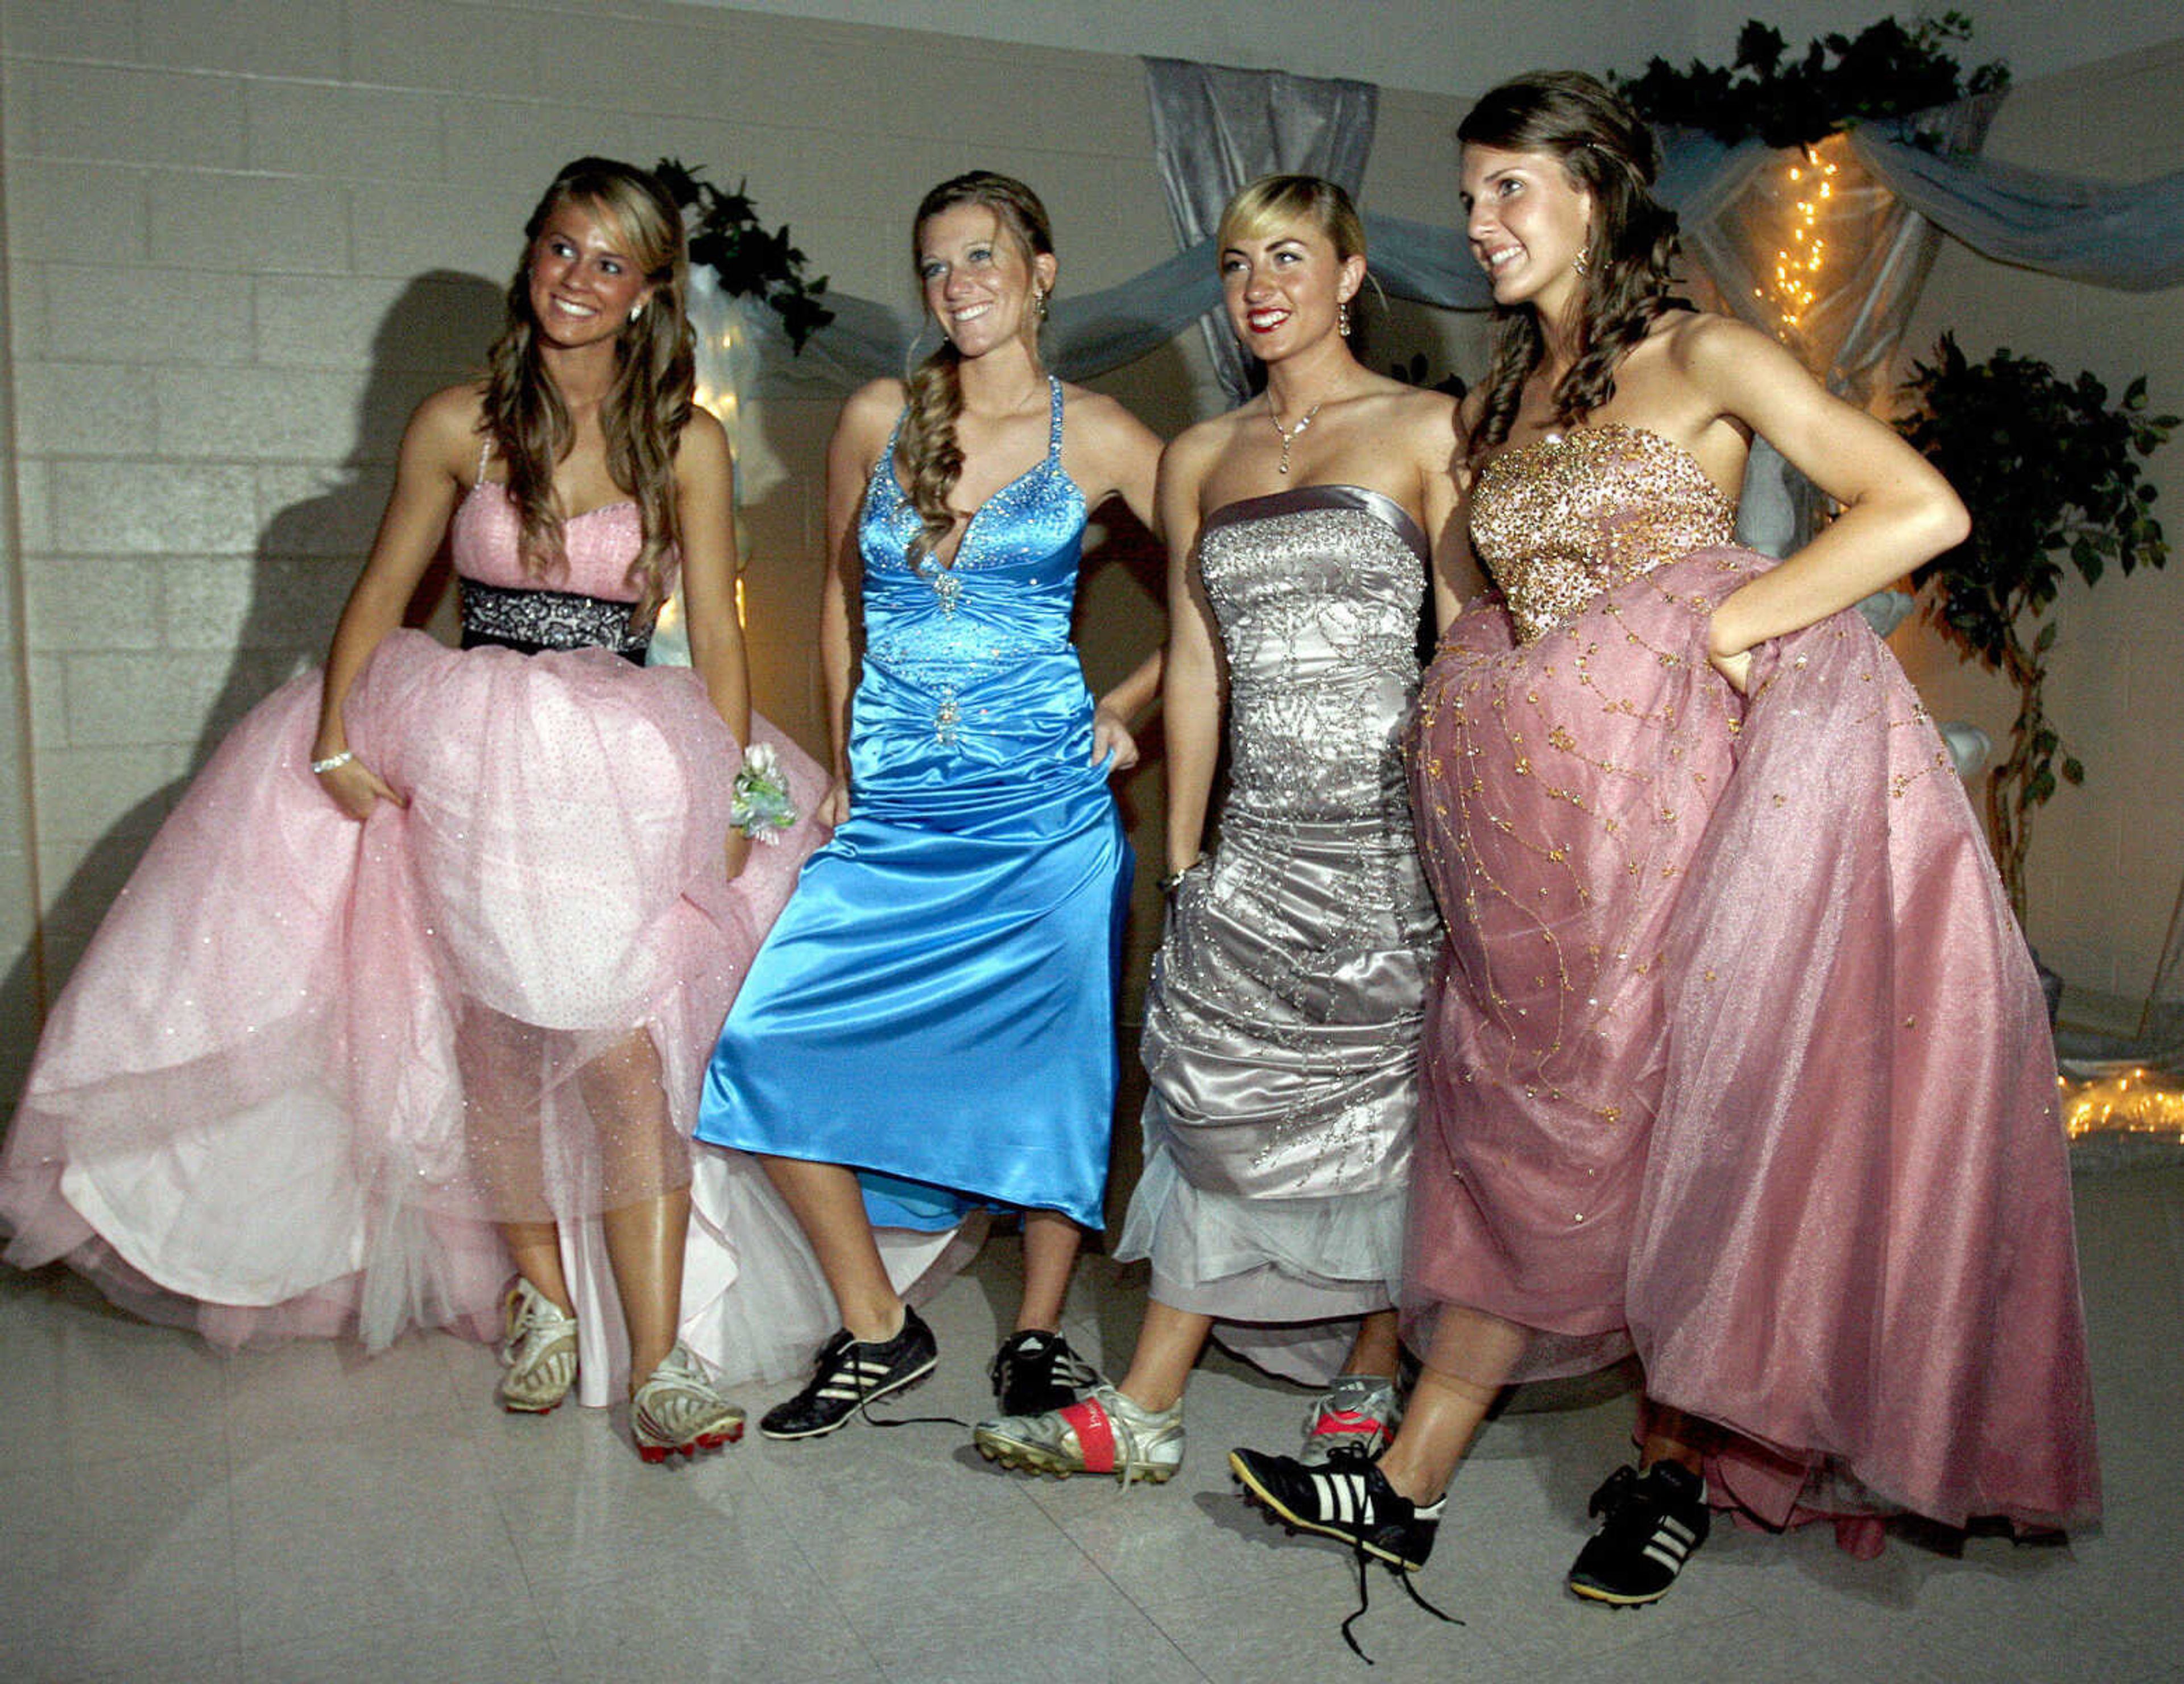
1289, 434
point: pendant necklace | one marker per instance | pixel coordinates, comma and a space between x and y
1289, 434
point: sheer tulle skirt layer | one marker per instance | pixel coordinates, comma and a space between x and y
1287, 1279
306, 1063
1737, 1059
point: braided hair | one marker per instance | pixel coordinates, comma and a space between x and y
930, 449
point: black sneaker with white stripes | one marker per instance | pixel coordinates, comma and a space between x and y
1347, 1499
1650, 1524
1035, 1372
851, 1373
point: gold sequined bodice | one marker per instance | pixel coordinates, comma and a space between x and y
1559, 521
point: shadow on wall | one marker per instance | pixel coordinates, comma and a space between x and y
436, 333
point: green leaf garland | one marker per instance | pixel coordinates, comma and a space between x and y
1887, 69
727, 237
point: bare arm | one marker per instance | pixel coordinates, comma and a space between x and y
859, 437
705, 481
437, 446
1125, 462
1897, 512
1195, 680
1455, 574
705, 476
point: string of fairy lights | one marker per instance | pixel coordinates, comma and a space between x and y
1798, 261
2134, 1101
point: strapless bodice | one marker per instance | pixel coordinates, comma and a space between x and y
585, 604
1560, 520
1317, 590
601, 543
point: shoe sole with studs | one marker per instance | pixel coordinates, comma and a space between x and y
1033, 1458
654, 1454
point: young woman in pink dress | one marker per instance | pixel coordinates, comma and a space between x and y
420, 976
1736, 1058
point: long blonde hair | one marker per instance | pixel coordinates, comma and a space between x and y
929, 446
1605, 149
645, 408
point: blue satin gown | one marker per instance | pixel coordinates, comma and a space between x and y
936, 1007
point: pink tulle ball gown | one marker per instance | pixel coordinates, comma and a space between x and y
306, 1063
1736, 1057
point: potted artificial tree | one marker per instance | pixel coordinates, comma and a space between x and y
2052, 472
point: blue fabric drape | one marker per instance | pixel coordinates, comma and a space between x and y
2129, 237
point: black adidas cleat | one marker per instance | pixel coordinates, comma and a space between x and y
1349, 1499
1035, 1373
850, 1374
1650, 1525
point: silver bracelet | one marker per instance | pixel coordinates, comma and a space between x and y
330, 763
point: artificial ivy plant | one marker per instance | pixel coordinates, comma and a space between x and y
2052, 473
1887, 69
728, 237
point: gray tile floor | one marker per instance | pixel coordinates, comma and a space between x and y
307, 1514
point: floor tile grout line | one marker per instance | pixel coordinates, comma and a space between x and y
1024, 1489
841, 1615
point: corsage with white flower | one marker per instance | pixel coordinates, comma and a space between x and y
758, 802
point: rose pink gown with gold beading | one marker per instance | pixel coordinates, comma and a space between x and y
306, 1063
1736, 1057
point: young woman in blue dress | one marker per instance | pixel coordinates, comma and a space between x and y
930, 1028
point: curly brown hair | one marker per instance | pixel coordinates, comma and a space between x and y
930, 449
1605, 148
644, 410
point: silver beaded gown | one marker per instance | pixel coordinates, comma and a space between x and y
1282, 1028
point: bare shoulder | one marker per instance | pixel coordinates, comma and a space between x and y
1195, 451
1095, 415
448, 428
883, 396
703, 445
868, 416
1430, 417
1697, 342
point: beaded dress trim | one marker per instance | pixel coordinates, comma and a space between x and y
1563, 517
533, 621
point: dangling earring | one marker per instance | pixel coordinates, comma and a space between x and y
1039, 302
1342, 318
1581, 262
634, 314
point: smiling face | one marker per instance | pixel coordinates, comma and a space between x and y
1528, 222
584, 280
978, 280
1284, 286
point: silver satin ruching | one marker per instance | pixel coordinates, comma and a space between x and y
1282, 1029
